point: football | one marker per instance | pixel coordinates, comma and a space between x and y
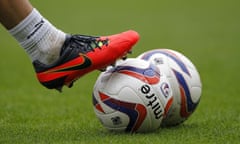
184, 80
125, 96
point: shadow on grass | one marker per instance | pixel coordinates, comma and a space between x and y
87, 134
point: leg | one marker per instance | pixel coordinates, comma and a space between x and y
58, 58
42, 41
13, 12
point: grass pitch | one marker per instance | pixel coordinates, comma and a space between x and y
206, 31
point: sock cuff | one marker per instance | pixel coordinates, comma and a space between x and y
38, 37
26, 22
34, 26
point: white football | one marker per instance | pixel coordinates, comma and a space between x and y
184, 80
125, 97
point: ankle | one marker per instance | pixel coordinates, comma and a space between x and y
40, 39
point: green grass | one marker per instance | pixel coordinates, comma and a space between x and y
206, 31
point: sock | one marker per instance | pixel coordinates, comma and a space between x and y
41, 40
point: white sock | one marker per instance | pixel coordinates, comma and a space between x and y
40, 39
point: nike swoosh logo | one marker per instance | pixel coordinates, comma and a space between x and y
85, 63
82, 61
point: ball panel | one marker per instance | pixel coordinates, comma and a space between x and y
126, 93
183, 78
114, 121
